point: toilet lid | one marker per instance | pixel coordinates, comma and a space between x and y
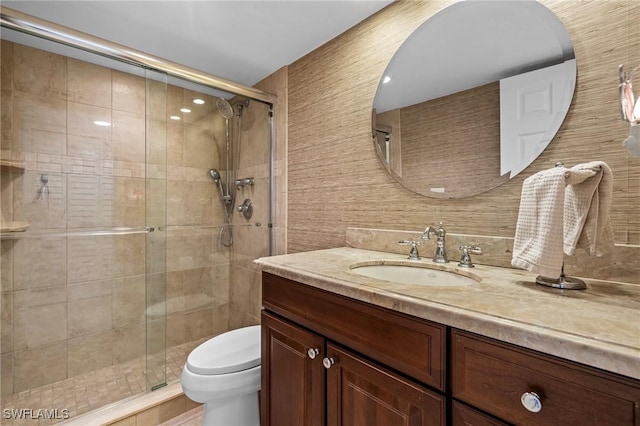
229, 352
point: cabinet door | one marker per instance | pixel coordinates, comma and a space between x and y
293, 385
361, 393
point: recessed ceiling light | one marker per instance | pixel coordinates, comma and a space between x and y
174, 117
386, 79
102, 123
198, 101
185, 110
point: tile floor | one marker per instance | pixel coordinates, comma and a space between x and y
87, 392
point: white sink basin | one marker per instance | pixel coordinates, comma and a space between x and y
418, 275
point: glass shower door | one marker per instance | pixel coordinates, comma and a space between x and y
156, 222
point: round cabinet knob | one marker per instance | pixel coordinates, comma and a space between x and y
313, 352
328, 362
531, 401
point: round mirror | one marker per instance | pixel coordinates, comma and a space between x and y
473, 96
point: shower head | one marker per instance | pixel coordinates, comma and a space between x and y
224, 108
215, 175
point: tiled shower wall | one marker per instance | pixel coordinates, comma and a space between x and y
73, 304
252, 242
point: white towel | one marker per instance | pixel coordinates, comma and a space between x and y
538, 243
586, 208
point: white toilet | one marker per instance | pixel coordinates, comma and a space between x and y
223, 373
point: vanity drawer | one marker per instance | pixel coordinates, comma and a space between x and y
493, 376
407, 344
463, 415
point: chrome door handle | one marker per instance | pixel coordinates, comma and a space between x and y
313, 352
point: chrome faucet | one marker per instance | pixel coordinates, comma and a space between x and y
440, 255
413, 254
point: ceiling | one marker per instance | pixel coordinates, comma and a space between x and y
243, 41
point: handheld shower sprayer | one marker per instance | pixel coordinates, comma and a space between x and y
215, 175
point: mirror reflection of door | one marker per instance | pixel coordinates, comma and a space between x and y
532, 107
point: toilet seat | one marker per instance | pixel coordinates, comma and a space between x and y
230, 352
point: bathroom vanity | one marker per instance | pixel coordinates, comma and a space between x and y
339, 348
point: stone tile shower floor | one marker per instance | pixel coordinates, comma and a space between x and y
90, 391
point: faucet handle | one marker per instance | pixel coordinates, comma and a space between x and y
465, 259
439, 231
413, 254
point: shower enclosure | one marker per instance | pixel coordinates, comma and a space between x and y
120, 251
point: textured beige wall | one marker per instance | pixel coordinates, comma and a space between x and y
335, 179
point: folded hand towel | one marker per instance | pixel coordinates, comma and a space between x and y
538, 241
586, 208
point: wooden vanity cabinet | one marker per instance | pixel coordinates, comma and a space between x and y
314, 374
386, 368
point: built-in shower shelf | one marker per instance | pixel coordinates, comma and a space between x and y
4, 163
13, 227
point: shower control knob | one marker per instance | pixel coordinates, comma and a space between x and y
246, 209
313, 352
531, 401
328, 362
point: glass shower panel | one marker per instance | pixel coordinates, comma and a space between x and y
156, 218
81, 186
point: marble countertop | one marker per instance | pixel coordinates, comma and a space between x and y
599, 326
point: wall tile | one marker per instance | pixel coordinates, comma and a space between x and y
33, 204
190, 203
198, 289
128, 255
6, 265
84, 201
198, 324
175, 143
129, 299
128, 92
39, 125
89, 315
123, 201
86, 138
88, 83
39, 366
156, 99
89, 258
156, 141
6, 374
245, 291
39, 317
199, 152
39, 262
6, 91
188, 250
89, 353
128, 136
128, 343
38, 72
6, 322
